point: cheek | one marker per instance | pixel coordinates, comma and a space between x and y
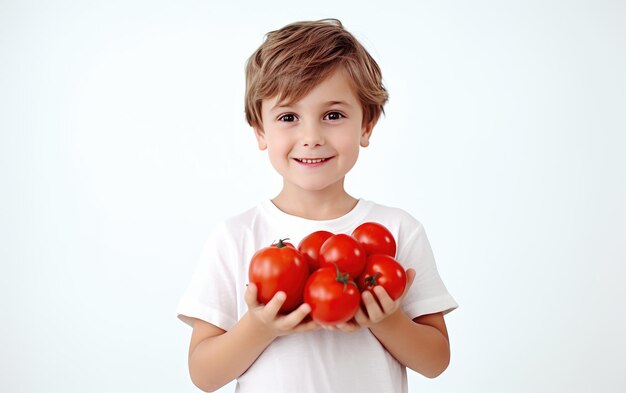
348, 143
278, 148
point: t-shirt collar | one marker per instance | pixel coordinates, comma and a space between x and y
342, 224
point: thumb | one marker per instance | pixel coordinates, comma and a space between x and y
410, 277
251, 296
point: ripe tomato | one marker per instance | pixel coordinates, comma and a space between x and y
345, 252
375, 239
332, 296
309, 247
385, 271
279, 267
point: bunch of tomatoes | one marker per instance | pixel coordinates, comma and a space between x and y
329, 271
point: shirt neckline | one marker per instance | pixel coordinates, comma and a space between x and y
335, 224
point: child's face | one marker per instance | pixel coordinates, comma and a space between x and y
315, 128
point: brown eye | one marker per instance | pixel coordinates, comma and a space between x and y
334, 116
287, 118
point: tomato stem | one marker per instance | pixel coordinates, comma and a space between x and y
281, 243
371, 280
343, 278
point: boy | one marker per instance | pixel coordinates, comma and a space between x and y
313, 97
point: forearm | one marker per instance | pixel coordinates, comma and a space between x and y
218, 360
421, 348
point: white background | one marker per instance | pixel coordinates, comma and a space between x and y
123, 141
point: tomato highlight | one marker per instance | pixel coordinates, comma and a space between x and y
385, 271
333, 297
279, 267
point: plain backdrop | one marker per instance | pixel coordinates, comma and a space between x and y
123, 141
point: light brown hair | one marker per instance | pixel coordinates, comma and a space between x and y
294, 59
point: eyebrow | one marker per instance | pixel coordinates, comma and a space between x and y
327, 103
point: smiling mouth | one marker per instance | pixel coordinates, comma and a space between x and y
312, 160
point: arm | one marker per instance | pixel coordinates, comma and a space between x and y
216, 356
420, 344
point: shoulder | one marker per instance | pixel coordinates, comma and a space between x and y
245, 219
394, 217
241, 227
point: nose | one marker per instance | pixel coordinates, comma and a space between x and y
313, 135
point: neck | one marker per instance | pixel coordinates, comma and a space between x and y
315, 205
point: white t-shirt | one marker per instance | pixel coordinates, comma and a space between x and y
320, 360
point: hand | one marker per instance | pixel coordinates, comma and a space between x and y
268, 319
379, 307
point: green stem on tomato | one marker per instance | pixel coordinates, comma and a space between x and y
281, 243
371, 280
343, 278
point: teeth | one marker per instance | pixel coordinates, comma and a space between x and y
312, 161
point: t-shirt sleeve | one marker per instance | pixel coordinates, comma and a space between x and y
428, 293
211, 294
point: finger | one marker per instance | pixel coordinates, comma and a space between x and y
348, 327
273, 306
250, 296
384, 299
306, 327
361, 318
373, 309
291, 320
410, 277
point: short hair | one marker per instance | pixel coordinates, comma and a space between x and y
294, 59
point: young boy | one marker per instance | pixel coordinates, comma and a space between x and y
313, 97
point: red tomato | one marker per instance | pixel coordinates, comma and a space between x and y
345, 252
309, 247
385, 271
375, 239
332, 296
279, 267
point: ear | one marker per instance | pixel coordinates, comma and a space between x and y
366, 132
260, 137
